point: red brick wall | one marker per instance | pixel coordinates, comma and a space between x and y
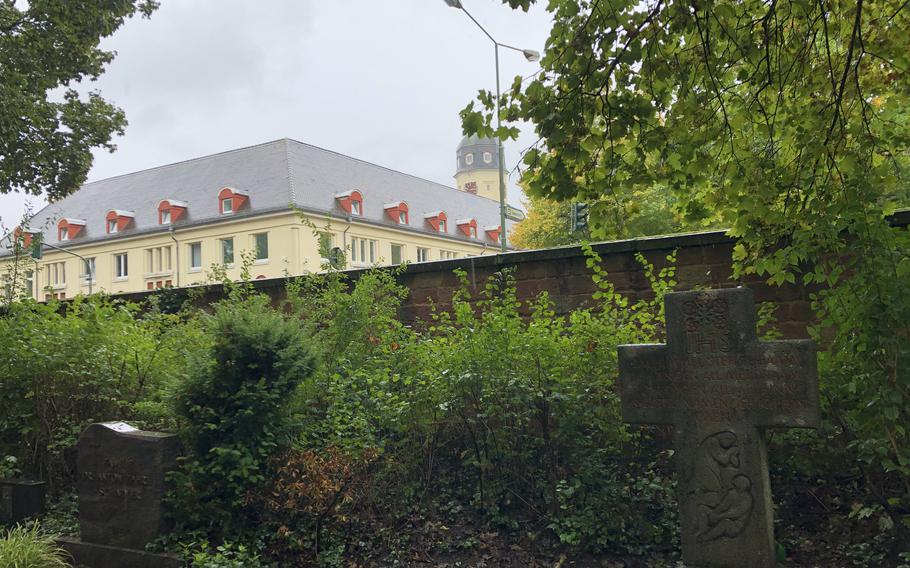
703, 260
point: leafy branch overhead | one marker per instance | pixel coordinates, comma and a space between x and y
788, 122
774, 114
47, 48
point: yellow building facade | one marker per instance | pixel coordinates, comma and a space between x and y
279, 209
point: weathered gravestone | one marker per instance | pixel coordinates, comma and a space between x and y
20, 499
719, 387
121, 483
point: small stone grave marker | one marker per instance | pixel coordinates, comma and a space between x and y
20, 499
719, 387
121, 482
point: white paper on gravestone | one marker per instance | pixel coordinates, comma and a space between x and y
120, 427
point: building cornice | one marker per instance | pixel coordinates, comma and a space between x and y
242, 216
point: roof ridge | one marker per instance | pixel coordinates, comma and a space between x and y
443, 186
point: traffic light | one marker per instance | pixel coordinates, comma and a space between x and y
579, 216
34, 247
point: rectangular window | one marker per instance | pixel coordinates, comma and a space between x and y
30, 283
355, 208
158, 260
112, 226
121, 269
56, 274
442, 226
261, 242
423, 254
227, 205
227, 251
447, 255
195, 256
88, 268
363, 251
403, 217
397, 253
166, 217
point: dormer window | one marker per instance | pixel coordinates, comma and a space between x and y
351, 202
26, 237
171, 211
438, 220
469, 159
231, 200
468, 227
493, 232
487, 157
68, 228
118, 220
397, 212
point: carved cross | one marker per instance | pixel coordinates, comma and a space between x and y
719, 387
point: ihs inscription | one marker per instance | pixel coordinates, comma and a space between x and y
706, 326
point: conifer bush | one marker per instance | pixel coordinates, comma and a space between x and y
234, 412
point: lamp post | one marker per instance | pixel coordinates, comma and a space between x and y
530, 55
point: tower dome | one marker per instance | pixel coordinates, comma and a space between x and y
477, 166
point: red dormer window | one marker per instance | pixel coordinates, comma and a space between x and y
231, 200
468, 227
351, 202
171, 211
437, 220
25, 236
493, 232
68, 229
118, 220
397, 211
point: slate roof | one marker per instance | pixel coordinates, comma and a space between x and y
274, 174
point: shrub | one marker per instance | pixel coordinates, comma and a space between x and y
64, 367
226, 555
30, 548
311, 494
497, 403
234, 412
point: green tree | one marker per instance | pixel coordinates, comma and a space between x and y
47, 46
651, 211
789, 121
547, 224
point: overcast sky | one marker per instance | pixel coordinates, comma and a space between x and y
379, 80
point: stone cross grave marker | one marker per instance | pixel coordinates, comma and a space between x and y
719, 387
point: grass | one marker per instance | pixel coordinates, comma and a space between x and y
30, 548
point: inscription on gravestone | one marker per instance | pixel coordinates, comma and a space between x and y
121, 484
719, 387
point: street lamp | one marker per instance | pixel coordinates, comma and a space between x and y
530, 55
